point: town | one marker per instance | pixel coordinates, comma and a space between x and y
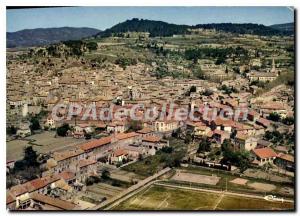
70, 161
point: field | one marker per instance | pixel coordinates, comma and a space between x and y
101, 190
159, 197
195, 178
42, 143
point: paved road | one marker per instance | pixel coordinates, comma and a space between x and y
130, 191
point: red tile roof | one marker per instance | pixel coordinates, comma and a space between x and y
95, 143
122, 136
58, 203
264, 153
67, 175
153, 139
263, 121
84, 163
145, 130
120, 152
286, 157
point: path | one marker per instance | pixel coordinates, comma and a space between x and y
114, 201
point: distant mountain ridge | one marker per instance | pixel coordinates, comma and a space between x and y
160, 28
44, 36
289, 27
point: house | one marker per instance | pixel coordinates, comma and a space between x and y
116, 127
68, 176
83, 128
285, 161
166, 125
118, 156
123, 139
22, 191
146, 132
243, 142
153, 144
262, 76
273, 107
263, 122
84, 168
220, 136
253, 115
97, 148
38, 201
134, 151
198, 128
50, 123
263, 143
61, 161
264, 155
222, 124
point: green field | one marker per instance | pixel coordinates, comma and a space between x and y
167, 198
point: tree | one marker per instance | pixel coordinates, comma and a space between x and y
30, 156
34, 124
188, 139
167, 149
29, 159
274, 117
92, 46
240, 158
176, 133
63, 130
204, 146
288, 120
207, 92
11, 130
193, 89
220, 60
134, 125
105, 174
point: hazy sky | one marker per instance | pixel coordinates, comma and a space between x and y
105, 17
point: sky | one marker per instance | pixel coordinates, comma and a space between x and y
105, 17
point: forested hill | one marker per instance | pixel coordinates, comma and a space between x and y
287, 27
159, 28
155, 28
246, 28
45, 36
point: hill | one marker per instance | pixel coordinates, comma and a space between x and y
155, 28
288, 27
44, 36
159, 28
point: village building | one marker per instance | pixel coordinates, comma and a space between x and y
263, 156
154, 143
285, 161
243, 142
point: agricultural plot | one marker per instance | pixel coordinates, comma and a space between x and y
195, 178
101, 190
167, 198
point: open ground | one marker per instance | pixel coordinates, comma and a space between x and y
42, 143
158, 197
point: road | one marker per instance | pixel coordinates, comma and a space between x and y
130, 191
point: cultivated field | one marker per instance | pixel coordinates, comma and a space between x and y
167, 198
195, 178
101, 190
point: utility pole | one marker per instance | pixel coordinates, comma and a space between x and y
226, 184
